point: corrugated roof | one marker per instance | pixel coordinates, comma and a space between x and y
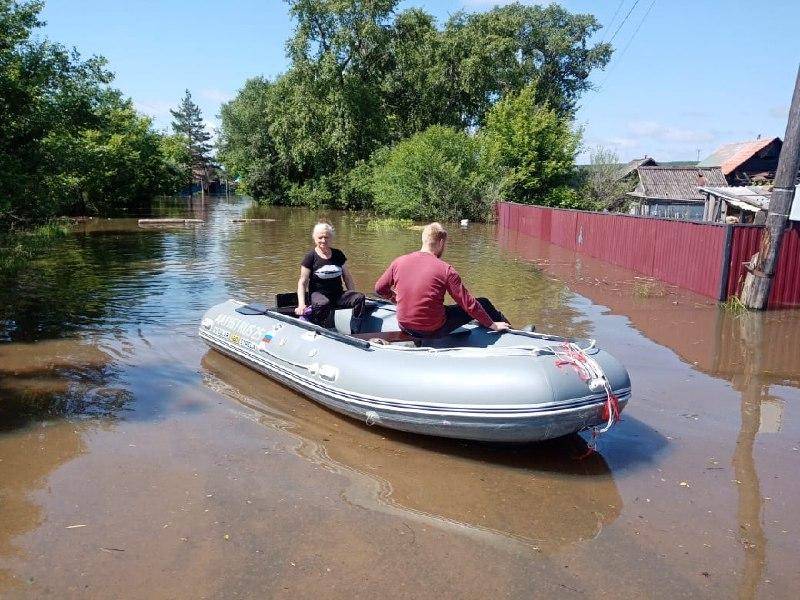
730, 156
757, 197
677, 183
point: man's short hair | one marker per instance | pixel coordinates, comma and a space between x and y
433, 233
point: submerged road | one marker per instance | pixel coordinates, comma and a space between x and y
136, 463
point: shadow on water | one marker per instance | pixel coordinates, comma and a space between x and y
540, 495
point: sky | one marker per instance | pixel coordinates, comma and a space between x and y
686, 75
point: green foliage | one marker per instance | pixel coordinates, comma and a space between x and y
188, 124
531, 149
734, 305
363, 77
18, 248
600, 182
432, 175
246, 147
68, 142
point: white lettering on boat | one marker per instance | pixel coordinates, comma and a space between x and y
240, 327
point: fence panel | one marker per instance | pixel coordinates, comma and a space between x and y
785, 290
683, 253
562, 228
744, 244
678, 252
689, 255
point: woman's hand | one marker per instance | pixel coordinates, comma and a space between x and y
300, 310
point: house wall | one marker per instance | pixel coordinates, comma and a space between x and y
689, 254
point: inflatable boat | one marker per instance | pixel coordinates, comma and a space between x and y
475, 384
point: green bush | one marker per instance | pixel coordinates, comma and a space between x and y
529, 149
431, 175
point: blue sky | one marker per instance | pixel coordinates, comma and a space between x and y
686, 76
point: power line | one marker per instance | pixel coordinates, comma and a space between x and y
623, 21
630, 41
614, 18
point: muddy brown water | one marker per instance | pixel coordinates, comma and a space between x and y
136, 463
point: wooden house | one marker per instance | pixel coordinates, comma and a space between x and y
746, 163
673, 192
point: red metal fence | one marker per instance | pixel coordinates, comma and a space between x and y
684, 253
785, 290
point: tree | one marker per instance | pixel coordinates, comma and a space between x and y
188, 123
246, 147
602, 184
530, 149
69, 142
362, 77
431, 175
510, 47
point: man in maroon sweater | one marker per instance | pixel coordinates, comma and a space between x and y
417, 283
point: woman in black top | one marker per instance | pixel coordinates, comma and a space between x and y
322, 272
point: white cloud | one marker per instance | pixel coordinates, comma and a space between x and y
215, 95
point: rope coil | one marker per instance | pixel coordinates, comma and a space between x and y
588, 370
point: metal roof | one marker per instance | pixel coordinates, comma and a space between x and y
730, 156
676, 183
751, 198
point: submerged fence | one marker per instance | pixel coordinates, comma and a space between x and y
707, 258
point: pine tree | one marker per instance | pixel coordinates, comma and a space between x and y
188, 122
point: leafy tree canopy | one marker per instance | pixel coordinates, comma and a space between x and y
431, 175
68, 141
531, 148
363, 76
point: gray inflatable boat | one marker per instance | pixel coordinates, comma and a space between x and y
472, 384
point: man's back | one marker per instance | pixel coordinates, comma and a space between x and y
420, 281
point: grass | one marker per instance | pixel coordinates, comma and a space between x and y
734, 305
647, 289
17, 248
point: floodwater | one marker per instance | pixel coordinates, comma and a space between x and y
136, 463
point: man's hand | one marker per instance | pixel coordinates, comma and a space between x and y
500, 326
299, 311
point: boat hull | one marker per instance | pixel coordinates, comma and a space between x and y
514, 414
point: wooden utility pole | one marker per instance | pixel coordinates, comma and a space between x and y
758, 282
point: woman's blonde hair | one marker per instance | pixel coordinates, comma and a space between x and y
433, 233
320, 227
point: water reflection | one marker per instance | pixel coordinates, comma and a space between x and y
82, 280
538, 495
752, 351
51, 378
